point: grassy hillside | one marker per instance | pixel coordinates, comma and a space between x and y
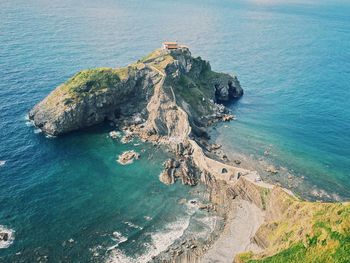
305, 232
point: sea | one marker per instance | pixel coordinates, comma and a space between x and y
66, 199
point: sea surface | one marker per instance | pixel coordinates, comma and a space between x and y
68, 199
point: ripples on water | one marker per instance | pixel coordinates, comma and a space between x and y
292, 59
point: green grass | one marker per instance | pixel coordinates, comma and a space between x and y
92, 80
264, 193
294, 254
193, 94
87, 82
320, 235
196, 87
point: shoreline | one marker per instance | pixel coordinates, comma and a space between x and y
195, 161
250, 205
274, 172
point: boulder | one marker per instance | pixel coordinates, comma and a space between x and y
4, 236
128, 157
215, 146
114, 134
228, 117
237, 162
271, 169
227, 88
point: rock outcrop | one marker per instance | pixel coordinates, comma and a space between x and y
128, 157
6, 237
95, 95
170, 97
174, 96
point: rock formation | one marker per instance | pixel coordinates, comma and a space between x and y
173, 95
95, 95
170, 97
128, 157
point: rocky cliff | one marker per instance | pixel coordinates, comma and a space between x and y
169, 98
95, 95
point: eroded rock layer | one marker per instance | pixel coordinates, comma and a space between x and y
95, 95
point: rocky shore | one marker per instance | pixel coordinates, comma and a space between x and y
171, 98
128, 157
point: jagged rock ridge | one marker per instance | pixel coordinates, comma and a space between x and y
95, 95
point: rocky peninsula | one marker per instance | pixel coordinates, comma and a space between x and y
170, 98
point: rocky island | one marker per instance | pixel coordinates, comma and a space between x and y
170, 98
128, 157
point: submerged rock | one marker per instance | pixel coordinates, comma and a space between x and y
228, 117
215, 146
271, 169
238, 162
114, 134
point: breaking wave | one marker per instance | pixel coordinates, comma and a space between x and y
160, 242
118, 238
10, 236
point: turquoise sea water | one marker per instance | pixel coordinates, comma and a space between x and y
293, 61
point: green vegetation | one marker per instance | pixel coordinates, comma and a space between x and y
193, 94
151, 56
87, 82
306, 232
93, 80
294, 254
196, 87
158, 59
264, 193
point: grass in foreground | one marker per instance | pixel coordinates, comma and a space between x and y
307, 232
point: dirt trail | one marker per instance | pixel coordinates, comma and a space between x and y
171, 123
165, 116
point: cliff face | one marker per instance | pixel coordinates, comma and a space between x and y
174, 96
92, 96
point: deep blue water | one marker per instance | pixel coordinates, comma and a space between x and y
293, 61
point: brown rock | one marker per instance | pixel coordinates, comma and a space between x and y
128, 157
271, 169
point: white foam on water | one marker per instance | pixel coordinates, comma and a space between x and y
29, 122
11, 236
2, 162
48, 136
147, 218
192, 206
96, 250
115, 134
37, 130
118, 238
133, 225
161, 240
